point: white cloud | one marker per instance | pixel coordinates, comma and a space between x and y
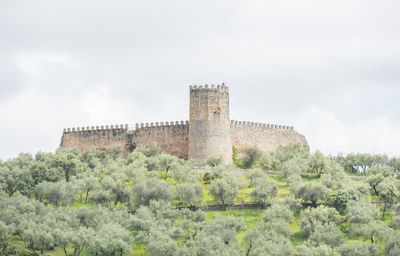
325, 132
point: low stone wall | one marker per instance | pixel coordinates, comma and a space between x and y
226, 207
223, 207
171, 137
267, 137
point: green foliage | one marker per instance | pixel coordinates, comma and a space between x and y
271, 234
206, 178
285, 153
153, 189
392, 247
310, 250
268, 162
185, 173
149, 151
358, 250
254, 174
294, 166
214, 161
310, 218
389, 193
6, 246
225, 189
264, 190
251, 157
326, 234
189, 193
72, 203
396, 217
166, 162
317, 163
310, 192
235, 157
57, 192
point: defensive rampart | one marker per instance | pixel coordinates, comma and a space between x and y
99, 137
171, 137
208, 133
267, 137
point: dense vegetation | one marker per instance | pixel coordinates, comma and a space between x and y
149, 203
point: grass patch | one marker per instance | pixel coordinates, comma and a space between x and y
296, 237
250, 218
309, 177
283, 189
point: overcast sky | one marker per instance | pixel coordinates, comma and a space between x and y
329, 68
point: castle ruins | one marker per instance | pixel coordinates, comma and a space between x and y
209, 131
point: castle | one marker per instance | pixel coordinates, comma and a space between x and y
209, 131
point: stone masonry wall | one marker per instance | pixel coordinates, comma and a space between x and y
99, 137
267, 137
209, 132
171, 137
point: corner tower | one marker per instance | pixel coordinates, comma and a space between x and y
209, 128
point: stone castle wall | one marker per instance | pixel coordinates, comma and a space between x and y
171, 137
99, 137
209, 131
267, 137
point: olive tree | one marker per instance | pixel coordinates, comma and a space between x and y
328, 234
113, 189
307, 249
268, 162
356, 249
311, 192
251, 157
271, 235
226, 189
111, 239
165, 162
189, 193
396, 217
56, 193
294, 166
153, 189
389, 193
312, 217
363, 218
317, 163
253, 175
214, 161
217, 237
392, 247
6, 247
264, 191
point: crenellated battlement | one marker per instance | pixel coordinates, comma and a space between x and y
212, 87
263, 125
160, 124
96, 128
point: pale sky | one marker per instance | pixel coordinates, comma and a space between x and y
331, 69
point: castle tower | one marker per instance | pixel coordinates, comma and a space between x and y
209, 128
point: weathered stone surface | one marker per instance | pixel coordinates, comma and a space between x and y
208, 133
172, 139
209, 129
102, 139
265, 138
